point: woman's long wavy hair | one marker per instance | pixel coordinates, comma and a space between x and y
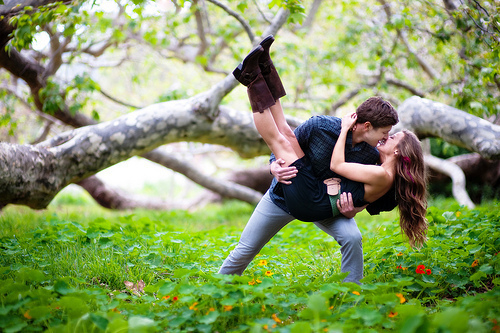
411, 191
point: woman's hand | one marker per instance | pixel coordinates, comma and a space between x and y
348, 121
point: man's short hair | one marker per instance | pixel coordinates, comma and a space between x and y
378, 112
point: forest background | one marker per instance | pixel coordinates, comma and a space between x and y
77, 64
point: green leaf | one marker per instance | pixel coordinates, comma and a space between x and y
317, 303
30, 275
167, 288
62, 287
139, 324
210, 318
487, 269
368, 316
73, 306
301, 327
415, 324
452, 320
99, 321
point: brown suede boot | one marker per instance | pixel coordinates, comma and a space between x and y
269, 71
249, 74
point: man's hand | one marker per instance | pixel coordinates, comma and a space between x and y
346, 206
281, 173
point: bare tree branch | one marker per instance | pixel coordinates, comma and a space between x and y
112, 198
261, 12
405, 85
402, 36
200, 27
238, 17
223, 187
312, 14
108, 96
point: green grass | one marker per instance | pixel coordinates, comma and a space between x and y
64, 270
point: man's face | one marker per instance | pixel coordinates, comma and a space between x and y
375, 135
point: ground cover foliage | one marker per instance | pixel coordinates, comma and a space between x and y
83, 269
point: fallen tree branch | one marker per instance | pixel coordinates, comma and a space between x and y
457, 177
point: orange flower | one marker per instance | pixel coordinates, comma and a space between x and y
457, 214
400, 254
262, 262
401, 298
475, 263
258, 281
269, 273
251, 282
228, 307
263, 308
392, 314
275, 318
192, 307
356, 292
27, 315
210, 310
165, 297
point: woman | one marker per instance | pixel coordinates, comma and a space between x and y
311, 199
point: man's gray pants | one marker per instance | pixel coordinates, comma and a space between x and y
267, 219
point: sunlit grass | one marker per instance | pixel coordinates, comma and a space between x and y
65, 268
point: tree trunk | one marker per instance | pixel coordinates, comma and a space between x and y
33, 175
432, 119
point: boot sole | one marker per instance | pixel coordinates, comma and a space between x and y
268, 38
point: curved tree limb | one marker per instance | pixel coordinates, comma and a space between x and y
457, 177
433, 119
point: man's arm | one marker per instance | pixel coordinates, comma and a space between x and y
283, 174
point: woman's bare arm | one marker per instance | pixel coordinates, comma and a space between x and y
367, 174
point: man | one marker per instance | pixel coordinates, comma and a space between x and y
317, 137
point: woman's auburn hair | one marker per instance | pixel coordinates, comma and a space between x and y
411, 192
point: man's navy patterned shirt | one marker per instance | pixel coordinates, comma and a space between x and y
317, 138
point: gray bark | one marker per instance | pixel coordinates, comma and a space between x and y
432, 119
428, 118
33, 175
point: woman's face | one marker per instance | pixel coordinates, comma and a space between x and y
389, 145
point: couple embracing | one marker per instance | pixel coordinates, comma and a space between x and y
329, 169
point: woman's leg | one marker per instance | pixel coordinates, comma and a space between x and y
277, 142
284, 128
